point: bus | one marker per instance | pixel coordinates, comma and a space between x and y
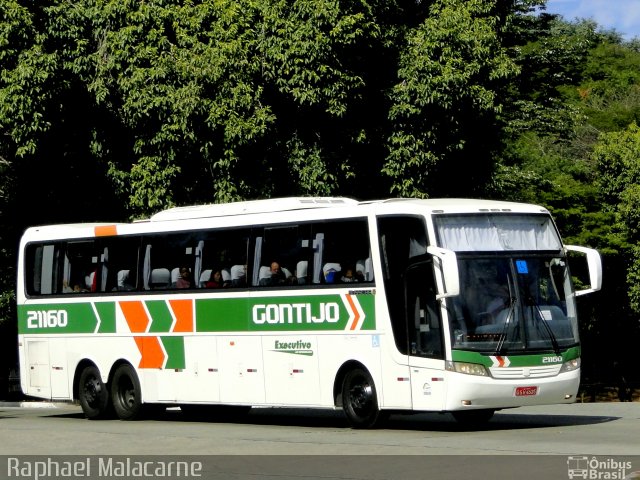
464, 306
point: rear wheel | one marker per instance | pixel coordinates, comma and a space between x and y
126, 394
93, 394
360, 400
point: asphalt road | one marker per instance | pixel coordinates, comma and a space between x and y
319, 444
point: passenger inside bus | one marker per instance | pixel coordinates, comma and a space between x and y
276, 275
216, 280
351, 275
184, 280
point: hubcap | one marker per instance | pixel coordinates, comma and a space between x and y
92, 390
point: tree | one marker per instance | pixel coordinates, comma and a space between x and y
618, 159
444, 110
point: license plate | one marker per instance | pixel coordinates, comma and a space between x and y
526, 391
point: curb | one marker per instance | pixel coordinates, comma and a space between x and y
27, 405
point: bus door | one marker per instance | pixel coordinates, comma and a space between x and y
425, 338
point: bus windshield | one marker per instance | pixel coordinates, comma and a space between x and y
511, 304
515, 287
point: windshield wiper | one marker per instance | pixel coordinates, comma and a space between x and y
552, 337
505, 327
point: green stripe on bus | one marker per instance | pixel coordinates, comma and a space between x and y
174, 346
161, 319
288, 313
107, 313
332, 312
57, 318
516, 360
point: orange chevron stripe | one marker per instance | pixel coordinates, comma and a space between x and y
135, 315
355, 311
151, 351
183, 310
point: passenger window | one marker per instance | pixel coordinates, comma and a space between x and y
224, 257
172, 261
282, 253
342, 252
85, 267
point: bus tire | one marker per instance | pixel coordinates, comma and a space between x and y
126, 393
360, 400
93, 394
473, 417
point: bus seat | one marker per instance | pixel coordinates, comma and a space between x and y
205, 276
368, 270
160, 278
331, 272
226, 275
238, 276
366, 267
360, 266
90, 280
301, 271
264, 276
175, 274
122, 280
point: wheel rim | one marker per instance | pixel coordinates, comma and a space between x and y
361, 396
126, 393
93, 390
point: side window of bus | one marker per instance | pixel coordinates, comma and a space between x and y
342, 252
43, 269
223, 258
282, 256
85, 267
121, 263
172, 261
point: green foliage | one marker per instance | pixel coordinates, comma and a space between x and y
618, 160
610, 91
447, 94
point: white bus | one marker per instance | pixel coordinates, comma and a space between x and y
398, 305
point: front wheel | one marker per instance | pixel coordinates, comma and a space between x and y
93, 394
126, 393
360, 400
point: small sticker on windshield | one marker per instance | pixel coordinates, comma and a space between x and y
521, 266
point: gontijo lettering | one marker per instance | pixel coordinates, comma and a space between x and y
275, 313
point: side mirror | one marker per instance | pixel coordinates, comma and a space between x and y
446, 266
594, 263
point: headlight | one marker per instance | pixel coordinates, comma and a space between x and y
467, 368
570, 366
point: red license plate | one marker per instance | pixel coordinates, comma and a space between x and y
526, 391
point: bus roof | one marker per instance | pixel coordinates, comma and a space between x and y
464, 205
383, 206
250, 206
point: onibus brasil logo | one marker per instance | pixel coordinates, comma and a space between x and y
601, 469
